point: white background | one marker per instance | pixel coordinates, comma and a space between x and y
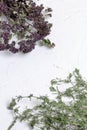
31, 73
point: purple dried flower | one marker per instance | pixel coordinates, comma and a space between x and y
26, 46
2, 47
5, 26
3, 7
13, 49
26, 21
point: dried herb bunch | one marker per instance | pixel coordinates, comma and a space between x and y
26, 21
56, 113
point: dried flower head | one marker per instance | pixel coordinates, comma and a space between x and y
25, 20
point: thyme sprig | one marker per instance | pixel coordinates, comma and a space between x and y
66, 110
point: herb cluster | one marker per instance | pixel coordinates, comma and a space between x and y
56, 113
26, 21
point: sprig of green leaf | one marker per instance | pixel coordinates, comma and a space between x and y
47, 42
56, 113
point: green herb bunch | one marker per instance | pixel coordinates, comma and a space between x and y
65, 110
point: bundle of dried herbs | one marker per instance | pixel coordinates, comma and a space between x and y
26, 22
66, 110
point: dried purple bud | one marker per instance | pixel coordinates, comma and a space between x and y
13, 49
2, 47
3, 7
26, 46
6, 27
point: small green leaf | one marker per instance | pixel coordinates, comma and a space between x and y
52, 89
